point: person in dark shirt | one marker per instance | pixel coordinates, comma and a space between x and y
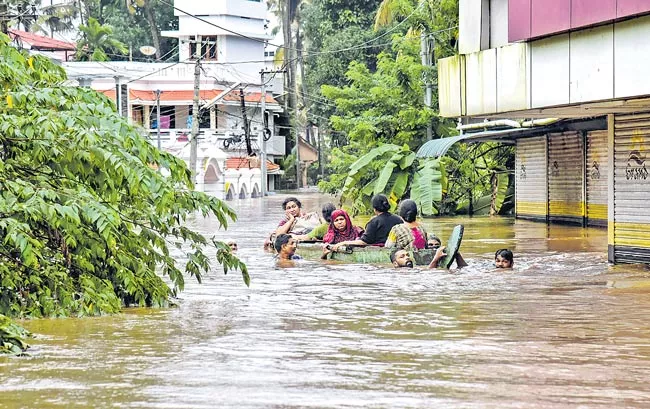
378, 227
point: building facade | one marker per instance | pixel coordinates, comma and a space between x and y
564, 59
231, 37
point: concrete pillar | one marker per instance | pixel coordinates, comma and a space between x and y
146, 116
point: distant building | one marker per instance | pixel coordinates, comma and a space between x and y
50, 47
228, 31
230, 63
562, 59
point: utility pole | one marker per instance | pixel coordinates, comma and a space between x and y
297, 132
158, 92
22, 16
263, 163
321, 164
425, 54
247, 132
195, 109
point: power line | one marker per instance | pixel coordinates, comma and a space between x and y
392, 29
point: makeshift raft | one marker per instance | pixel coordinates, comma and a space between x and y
358, 254
381, 255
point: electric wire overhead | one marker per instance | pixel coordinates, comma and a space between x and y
361, 45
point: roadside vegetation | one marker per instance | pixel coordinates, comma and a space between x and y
87, 221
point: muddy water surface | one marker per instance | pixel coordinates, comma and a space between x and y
561, 330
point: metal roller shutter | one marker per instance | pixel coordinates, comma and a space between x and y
631, 188
530, 178
566, 177
596, 174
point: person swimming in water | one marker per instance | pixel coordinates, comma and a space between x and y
402, 258
503, 258
286, 246
233, 245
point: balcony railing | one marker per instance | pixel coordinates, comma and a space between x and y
225, 140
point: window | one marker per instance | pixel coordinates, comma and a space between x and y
208, 47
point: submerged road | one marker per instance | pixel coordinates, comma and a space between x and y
561, 330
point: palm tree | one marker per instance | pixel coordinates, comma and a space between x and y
97, 41
57, 18
427, 15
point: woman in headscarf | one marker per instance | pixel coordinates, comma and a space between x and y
341, 228
409, 235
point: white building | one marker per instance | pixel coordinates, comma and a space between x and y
230, 72
229, 31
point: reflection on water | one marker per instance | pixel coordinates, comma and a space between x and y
561, 330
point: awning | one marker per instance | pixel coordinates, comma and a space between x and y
439, 147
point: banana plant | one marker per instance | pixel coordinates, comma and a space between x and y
394, 171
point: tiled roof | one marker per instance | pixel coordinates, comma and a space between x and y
188, 95
250, 163
249, 97
182, 95
38, 42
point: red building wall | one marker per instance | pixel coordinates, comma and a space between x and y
529, 19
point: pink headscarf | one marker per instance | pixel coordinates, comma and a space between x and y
334, 236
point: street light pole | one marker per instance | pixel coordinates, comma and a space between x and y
425, 54
263, 164
195, 110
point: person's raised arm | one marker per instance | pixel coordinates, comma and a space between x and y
286, 227
440, 253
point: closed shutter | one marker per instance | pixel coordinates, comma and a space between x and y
596, 174
631, 188
565, 177
530, 178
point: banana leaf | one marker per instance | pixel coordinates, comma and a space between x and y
359, 168
387, 172
426, 187
400, 185
407, 160
502, 189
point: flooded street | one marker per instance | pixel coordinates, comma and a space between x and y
561, 330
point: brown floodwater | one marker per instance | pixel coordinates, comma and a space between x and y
561, 330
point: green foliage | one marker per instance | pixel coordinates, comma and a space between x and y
12, 337
139, 23
86, 220
427, 182
478, 178
97, 42
330, 25
394, 171
382, 106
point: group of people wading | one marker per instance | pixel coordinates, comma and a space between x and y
335, 229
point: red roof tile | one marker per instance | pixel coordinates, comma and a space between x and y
188, 96
249, 97
38, 42
183, 95
109, 93
250, 163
